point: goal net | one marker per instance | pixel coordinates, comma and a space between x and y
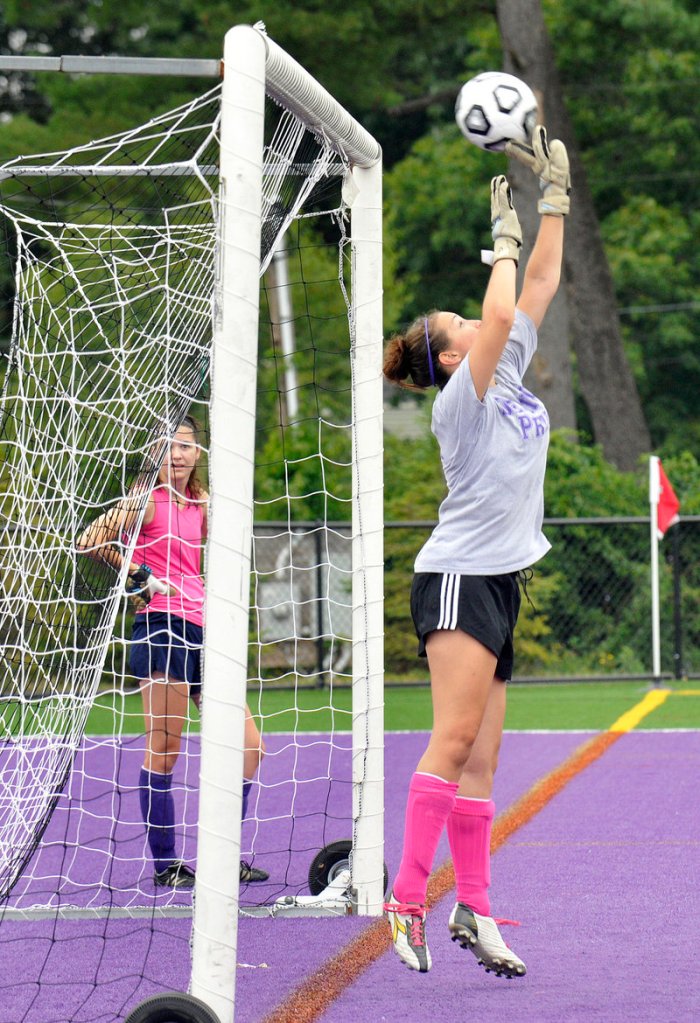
152, 276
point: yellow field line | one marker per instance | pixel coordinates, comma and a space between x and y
323, 987
631, 718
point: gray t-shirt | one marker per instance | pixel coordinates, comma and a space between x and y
494, 454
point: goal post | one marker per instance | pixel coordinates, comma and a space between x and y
247, 57
232, 405
368, 552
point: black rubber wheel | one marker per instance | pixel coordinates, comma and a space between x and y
329, 862
172, 1007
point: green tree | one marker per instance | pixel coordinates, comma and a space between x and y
437, 202
628, 73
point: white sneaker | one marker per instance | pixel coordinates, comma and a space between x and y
481, 935
407, 921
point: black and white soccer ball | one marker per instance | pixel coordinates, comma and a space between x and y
494, 107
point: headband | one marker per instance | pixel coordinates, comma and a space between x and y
431, 369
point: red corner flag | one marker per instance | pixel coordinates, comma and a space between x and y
669, 505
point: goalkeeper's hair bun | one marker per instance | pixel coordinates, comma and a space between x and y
406, 355
396, 360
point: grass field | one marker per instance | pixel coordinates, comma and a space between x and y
590, 706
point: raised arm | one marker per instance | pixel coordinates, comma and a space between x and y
498, 308
543, 270
550, 162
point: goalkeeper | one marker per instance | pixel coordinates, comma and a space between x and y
165, 582
493, 436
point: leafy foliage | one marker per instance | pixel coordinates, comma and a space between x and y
630, 74
437, 220
589, 610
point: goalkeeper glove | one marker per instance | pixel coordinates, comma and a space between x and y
505, 226
142, 583
550, 161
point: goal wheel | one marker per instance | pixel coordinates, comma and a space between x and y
172, 1007
329, 862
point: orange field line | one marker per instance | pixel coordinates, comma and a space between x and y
323, 987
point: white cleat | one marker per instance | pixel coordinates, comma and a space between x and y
407, 921
481, 936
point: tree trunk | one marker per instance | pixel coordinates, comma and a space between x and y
605, 379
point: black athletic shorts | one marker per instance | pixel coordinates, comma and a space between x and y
484, 606
168, 645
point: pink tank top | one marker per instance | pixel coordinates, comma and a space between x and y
171, 546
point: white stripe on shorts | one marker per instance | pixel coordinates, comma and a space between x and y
449, 601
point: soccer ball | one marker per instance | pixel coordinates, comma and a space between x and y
495, 107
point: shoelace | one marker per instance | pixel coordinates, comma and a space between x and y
417, 939
405, 908
416, 914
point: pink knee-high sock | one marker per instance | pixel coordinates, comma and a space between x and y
430, 800
469, 832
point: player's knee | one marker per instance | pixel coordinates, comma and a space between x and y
164, 750
254, 752
163, 763
252, 759
456, 745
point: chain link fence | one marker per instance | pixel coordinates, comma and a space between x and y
301, 604
588, 615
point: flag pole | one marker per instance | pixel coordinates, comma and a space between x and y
654, 492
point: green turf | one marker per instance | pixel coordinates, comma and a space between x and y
587, 705
591, 706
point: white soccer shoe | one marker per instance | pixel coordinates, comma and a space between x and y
481, 936
407, 921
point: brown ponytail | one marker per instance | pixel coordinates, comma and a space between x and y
406, 355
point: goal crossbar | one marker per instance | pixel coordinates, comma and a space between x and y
191, 68
285, 79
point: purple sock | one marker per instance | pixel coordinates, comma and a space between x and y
158, 812
247, 785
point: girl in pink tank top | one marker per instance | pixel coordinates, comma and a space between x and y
166, 640
170, 544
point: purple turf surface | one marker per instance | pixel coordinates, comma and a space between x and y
604, 882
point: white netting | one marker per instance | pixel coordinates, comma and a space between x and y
111, 335
112, 270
